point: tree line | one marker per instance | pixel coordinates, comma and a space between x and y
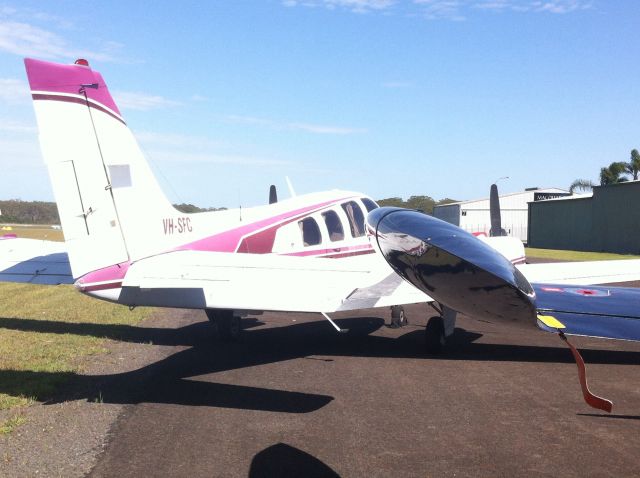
421, 203
15, 211
616, 172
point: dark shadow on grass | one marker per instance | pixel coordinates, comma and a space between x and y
123, 333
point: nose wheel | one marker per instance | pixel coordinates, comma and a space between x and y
228, 327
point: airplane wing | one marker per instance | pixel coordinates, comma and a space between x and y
34, 261
595, 311
199, 279
582, 273
466, 275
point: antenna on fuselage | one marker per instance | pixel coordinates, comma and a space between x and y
292, 191
273, 194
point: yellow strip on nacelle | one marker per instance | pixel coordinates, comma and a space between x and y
551, 321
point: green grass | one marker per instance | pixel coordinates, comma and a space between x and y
8, 425
34, 232
46, 335
575, 255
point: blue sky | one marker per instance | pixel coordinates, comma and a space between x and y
387, 97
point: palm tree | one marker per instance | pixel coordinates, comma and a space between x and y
581, 185
613, 174
633, 166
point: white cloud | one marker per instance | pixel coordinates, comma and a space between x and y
29, 32
358, 6
560, 6
13, 126
14, 91
296, 126
460, 9
179, 148
19, 153
199, 98
397, 84
441, 9
129, 100
181, 157
173, 140
445, 9
24, 39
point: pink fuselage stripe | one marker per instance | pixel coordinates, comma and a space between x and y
93, 288
333, 251
254, 238
107, 274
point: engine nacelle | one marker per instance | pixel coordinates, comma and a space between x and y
452, 266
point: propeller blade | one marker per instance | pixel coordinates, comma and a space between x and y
494, 209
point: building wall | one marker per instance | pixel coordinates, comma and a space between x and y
607, 222
474, 216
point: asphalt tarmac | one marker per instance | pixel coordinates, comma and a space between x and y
295, 398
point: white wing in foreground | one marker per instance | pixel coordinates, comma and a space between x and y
196, 279
582, 273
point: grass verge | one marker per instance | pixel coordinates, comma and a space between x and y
45, 334
575, 255
35, 232
8, 425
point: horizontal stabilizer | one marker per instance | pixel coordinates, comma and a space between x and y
35, 262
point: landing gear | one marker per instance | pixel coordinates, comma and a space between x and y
434, 337
398, 317
439, 327
227, 325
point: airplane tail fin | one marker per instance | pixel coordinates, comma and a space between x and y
110, 205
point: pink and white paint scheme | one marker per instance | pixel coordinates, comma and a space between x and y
126, 243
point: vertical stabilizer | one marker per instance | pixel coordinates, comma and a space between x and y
111, 207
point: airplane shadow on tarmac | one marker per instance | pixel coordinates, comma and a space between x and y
166, 381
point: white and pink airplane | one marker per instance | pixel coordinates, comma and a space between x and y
322, 252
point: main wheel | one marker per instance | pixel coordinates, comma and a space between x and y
434, 336
228, 327
398, 317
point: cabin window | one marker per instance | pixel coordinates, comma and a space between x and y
356, 218
334, 226
310, 232
369, 204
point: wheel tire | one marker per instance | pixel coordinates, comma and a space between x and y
434, 336
228, 327
398, 317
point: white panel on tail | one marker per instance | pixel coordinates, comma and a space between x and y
87, 212
141, 204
